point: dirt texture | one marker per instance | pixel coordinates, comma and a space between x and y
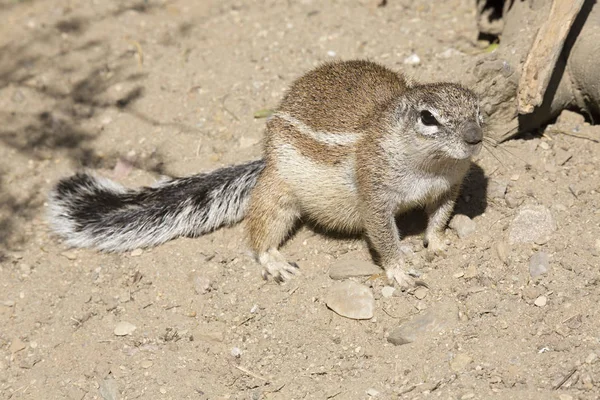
136, 90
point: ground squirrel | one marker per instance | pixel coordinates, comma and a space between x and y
351, 145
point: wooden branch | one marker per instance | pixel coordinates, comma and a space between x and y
544, 53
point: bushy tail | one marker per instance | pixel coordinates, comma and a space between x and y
90, 211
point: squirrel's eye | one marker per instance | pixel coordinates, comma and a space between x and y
428, 119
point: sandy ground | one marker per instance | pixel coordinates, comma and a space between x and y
171, 87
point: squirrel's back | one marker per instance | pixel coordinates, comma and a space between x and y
342, 96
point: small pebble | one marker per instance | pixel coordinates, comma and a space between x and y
202, 284
388, 291
25, 269
541, 301
16, 345
502, 250
532, 224
545, 145
432, 322
497, 189
591, 358
471, 272
124, 328
331, 53
372, 392
467, 396
564, 396
109, 389
162, 390
146, 364
459, 274
344, 269
420, 293
413, 59
69, 254
236, 352
462, 225
514, 177
460, 362
137, 252
8, 303
538, 264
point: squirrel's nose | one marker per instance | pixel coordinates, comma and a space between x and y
472, 133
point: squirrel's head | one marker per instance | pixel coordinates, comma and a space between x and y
442, 118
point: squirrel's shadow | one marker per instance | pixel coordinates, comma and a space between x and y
471, 202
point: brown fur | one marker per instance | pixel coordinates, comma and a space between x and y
348, 150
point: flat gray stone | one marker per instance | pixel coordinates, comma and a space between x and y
353, 268
124, 328
532, 224
109, 389
434, 321
497, 189
351, 300
462, 225
460, 362
538, 264
388, 291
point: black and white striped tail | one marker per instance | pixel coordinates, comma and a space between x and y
90, 211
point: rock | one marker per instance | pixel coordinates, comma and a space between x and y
413, 59
462, 225
124, 328
541, 301
372, 392
567, 117
202, 284
502, 250
531, 225
69, 254
351, 300
538, 264
512, 200
591, 358
564, 396
25, 269
430, 323
210, 333
460, 362
471, 272
146, 364
16, 345
420, 293
8, 303
137, 252
497, 189
353, 268
388, 291
108, 389
236, 352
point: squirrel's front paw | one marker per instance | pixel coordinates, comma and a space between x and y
401, 278
435, 244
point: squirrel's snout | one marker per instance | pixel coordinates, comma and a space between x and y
472, 134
